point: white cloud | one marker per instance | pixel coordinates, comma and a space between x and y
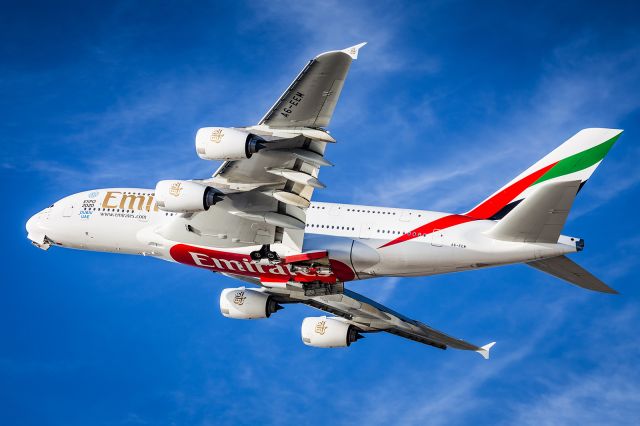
620, 175
604, 397
452, 392
334, 24
460, 390
609, 393
381, 290
572, 94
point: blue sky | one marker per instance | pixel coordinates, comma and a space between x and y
448, 101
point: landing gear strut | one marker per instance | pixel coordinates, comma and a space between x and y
265, 254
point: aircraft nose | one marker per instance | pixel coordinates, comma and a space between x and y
31, 223
35, 232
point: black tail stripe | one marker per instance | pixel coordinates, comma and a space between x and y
505, 210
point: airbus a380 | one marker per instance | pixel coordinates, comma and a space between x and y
254, 220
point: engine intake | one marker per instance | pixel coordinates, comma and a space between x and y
224, 143
183, 196
323, 332
245, 303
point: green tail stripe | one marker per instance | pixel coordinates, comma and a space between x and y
579, 161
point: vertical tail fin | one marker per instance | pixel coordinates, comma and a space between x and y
574, 160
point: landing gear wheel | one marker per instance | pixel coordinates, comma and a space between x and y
265, 252
256, 255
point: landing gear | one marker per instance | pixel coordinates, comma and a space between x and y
265, 255
311, 269
317, 288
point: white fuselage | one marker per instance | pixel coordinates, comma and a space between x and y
369, 241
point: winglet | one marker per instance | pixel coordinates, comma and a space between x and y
484, 350
353, 50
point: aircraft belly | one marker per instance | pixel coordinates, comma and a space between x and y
360, 256
415, 258
217, 228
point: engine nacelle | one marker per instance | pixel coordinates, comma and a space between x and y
183, 196
223, 143
245, 303
323, 332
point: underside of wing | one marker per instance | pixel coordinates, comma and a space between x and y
369, 316
311, 98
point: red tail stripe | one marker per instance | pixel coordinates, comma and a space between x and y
492, 205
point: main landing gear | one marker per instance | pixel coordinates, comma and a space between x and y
311, 271
265, 255
318, 288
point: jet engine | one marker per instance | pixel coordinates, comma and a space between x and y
323, 332
222, 143
184, 196
246, 303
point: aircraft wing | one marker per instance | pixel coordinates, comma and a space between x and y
370, 316
300, 113
310, 99
268, 193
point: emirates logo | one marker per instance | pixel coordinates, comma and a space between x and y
321, 327
239, 298
176, 189
216, 135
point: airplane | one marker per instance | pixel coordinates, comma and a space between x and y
254, 220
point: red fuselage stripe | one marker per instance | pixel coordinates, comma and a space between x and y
442, 223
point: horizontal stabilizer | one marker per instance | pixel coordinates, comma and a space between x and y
540, 217
484, 350
566, 269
